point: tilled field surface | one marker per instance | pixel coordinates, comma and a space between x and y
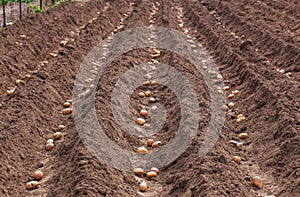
256, 47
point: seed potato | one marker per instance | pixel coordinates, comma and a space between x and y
138, 171
142, 150
256, 180
143, 186
32, 185
38, 175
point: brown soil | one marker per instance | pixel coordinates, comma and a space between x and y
249, 41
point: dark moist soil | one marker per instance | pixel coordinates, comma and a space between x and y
249, 41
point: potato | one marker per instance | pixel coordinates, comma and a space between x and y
243, 135
155, 170
141, 94
67, 104
256, 180
237, 159
226, 88
45, 62
140, 121
220, 92
18, 81
138, 171
61, 127
150, 142
156, 144
32, 185
239, 145
241, 119
230, 104
230, 96
142, 150
143, 186
148, 93
153, 83
49, 141
57, 135
151, 174
10, 92
235, 92
239, 116
49, 146
143, 112
67, 111
152, 99
53, 54
38, 174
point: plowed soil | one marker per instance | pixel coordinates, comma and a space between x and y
255, 44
